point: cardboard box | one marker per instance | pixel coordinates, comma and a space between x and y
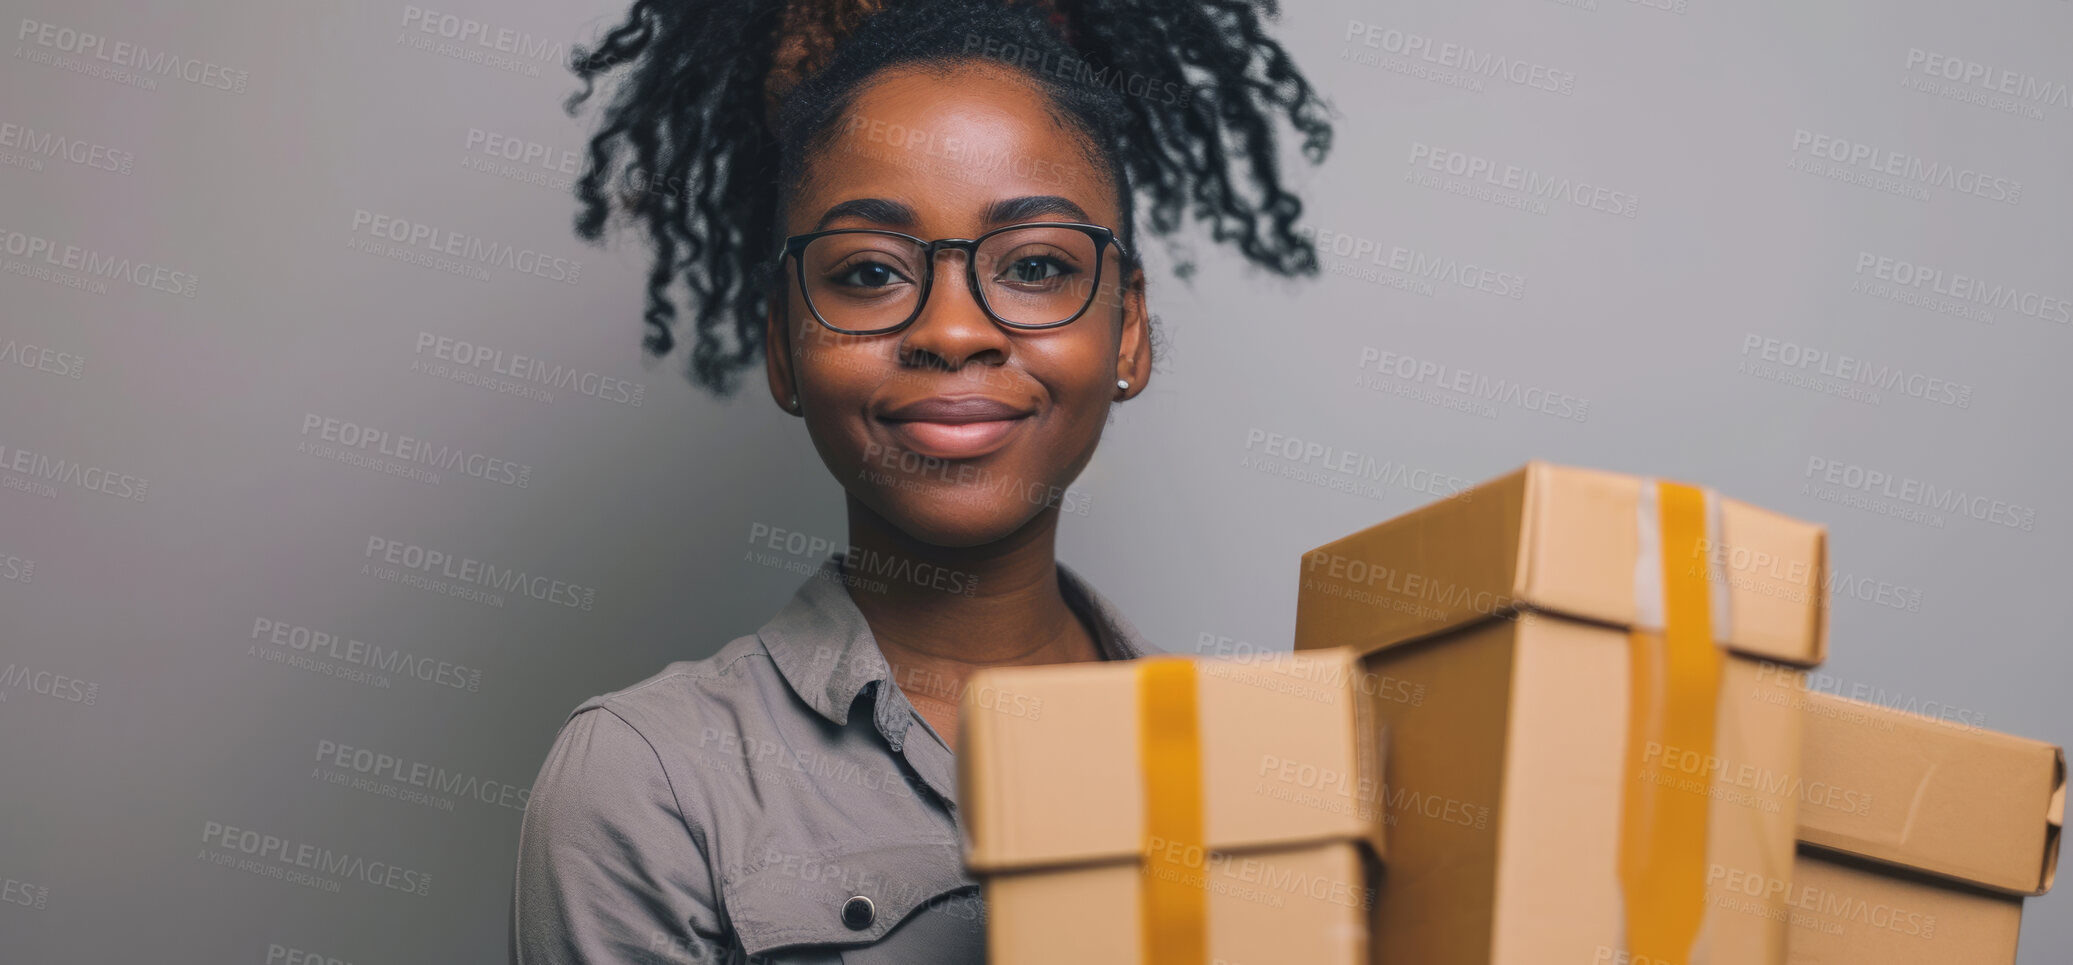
1845, 912
1953, 800
1520, 615
1919, 837
1210, 808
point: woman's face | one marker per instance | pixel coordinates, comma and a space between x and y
1019, 412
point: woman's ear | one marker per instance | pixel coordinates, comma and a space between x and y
777, 352
1134, 350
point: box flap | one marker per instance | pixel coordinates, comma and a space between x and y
1562, 540
1936, 795
1049, 773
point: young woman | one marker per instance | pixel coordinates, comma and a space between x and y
919, 215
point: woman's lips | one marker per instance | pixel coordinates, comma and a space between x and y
953, 440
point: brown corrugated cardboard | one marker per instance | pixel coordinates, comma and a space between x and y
1511, 610
1054, 797
1919, 837
1845, 913
1937, 795
1262, 910
1562, 540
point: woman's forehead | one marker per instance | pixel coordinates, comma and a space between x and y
952, 147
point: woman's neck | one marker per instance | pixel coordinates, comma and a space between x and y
940, 613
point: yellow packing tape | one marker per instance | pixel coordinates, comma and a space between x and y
1674, 698
1173, 902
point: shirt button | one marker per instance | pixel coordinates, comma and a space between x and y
857, 913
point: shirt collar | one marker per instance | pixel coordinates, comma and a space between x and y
823, 646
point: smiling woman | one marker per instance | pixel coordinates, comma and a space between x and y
792, 798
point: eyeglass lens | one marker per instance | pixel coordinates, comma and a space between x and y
862, 281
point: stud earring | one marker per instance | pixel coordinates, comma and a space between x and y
795, 402
1123, 383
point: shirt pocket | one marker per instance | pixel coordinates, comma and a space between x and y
863, 904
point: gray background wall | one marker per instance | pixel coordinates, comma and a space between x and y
148, 703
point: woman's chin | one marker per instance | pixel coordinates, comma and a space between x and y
975, 522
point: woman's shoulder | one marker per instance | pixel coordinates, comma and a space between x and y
641, 733
687, 698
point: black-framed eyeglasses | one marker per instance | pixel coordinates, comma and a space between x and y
1033, 275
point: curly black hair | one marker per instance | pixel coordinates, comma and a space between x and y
721, 102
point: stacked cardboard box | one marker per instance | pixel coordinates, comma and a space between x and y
1919, 837
1598, 658
1173, 809
1576, 699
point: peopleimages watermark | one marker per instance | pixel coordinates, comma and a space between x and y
43, 358
1471, 388
811, 568
1904, 281
860, 561
1332, 679
1414, 270
519, 159
1976, 83
1827, 910
905, 469
404, 455
1846, 376
989, 697
1768, 574
1823, 682
251, 851
511, 373
1903, 497
476, 42
1247, 877
1345, 470
779, 759
72, 265
969, 161
1075, 68
122, 61
48, 683
24, 893
464, 576
1894, 172
1338, 792
1427, 597
37, 146
451, 251
1429, 59
40, 473
1478, 175
17, 569
1741, 782
356, 660
414, 781
1313, 687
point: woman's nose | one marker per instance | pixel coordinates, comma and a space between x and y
953, 325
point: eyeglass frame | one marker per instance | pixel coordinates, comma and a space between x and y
795, 245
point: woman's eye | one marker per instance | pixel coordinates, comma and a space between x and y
1035, 269
868, 274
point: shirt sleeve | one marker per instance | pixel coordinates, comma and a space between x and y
608, 870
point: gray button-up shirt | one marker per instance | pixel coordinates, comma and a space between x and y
730, 809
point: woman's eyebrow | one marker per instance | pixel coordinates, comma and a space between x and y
1005, 211
875, 210
1031, 207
